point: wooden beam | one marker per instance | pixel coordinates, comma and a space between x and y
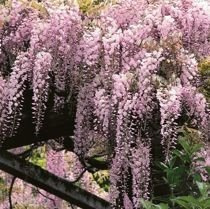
54, 126
47, 181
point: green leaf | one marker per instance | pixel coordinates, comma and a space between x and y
208, 169
162, 166
203, 188
149, 205
181, 203
197, 177
186, 201
185, 145
162, 206
196, 148
146, 204
206, 203
178, 153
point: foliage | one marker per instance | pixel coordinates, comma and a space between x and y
190, 202
102, 178
149, 205
187, 188
91, 6
2, 1
205, 73
3, 189
38, 157
178, 170
185, 202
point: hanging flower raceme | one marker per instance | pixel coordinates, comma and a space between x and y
42, 51
140, 168
13, 96
84, 131
170, 109
198, 109
144, 63
42, 68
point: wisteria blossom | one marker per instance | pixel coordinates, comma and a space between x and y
131, 71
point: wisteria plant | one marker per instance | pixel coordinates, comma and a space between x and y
132, 68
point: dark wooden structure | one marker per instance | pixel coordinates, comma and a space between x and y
54, 126
43, 179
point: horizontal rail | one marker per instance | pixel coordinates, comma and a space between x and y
49, 182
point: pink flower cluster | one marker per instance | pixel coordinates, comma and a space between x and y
133, 71
42, 67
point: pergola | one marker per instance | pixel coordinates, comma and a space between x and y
54, 126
